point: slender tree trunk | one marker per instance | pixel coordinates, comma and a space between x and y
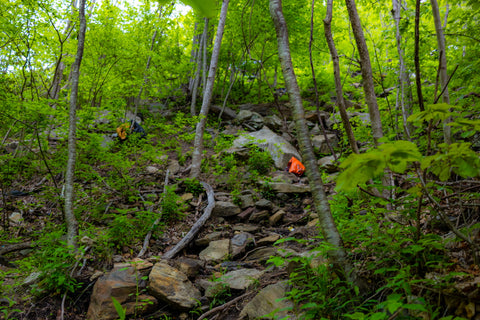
447, 134
338, 255
54, 90
204, 53
366, 69
338, 81
196, 80
317, 102
145, 76
197, 154
401, 103
70, 219
418, 80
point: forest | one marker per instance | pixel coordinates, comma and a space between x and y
239, 159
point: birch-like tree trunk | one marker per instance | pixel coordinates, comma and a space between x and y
366, 68
197, 154
54, 90
196, 80
402, 103
338, 255
447, 134
338, 81
70, 219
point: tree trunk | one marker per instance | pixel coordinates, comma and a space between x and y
70, 219
402, 76
145, 76
366, 68
207, 97
338, 255
317, 102
196, 80
338, 81
447, 135
418, 80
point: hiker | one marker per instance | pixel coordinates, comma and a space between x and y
125, 128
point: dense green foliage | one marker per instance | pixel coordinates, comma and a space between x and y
142, 56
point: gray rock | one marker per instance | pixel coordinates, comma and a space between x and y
328, 163
151, 170
273, 122
188, 266
289, 187
241, 279
244, 115
216, 235
264, 204
284, 176
259, 216
246, 201
279, 149
216, 251
268, 301
261, 254
239, 242
174, 167
271, 239
225, 209
321, 145
245, 227
172, 286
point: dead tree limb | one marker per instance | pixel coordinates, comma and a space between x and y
196, 227
224, 306
149, 234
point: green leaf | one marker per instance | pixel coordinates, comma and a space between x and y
118, 307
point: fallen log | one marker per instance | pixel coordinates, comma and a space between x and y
197, 226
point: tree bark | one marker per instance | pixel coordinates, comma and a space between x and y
317, 102
70, 219
338, 81
145, 76
418, 80
447, 134
402, 76
196, 80
197, 154
366, 69
343, 266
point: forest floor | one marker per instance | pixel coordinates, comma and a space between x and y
99, 201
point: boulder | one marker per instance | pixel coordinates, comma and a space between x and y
122, 283
279, 149
267, 301
321, 145
225, 209
173, 287
216, 251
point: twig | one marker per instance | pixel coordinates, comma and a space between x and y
196, 227
224, 306
149, 234
446, 85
